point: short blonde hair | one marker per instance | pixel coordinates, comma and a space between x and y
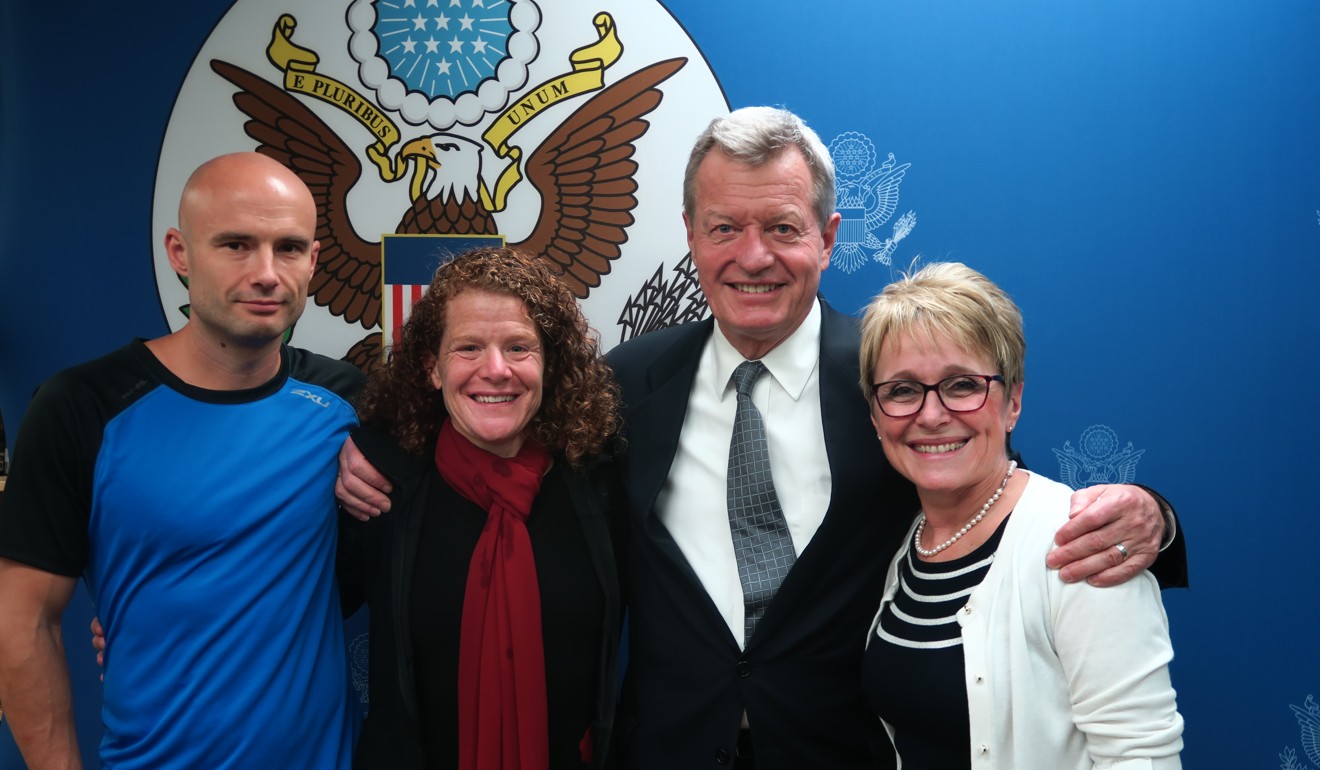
953, 300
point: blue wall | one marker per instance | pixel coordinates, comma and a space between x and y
1143, 177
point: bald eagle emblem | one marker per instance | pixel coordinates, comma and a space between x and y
1098, 459
867, 199
457, 185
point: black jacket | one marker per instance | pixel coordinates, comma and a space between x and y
376, 562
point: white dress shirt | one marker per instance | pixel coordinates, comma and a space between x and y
693, 502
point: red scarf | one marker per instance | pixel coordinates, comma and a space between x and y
502, 713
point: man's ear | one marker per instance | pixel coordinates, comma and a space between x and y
828, 235
177, 251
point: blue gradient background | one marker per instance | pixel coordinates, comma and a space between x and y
1143, 177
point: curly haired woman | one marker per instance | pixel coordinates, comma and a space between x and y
494, 594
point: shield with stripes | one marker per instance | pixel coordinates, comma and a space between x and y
408, 263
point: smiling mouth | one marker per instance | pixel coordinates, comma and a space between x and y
757, 288
939, 449
493, 399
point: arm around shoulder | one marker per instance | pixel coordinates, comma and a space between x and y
1114, 533
34, 676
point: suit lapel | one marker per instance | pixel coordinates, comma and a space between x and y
656, 411
850, 439
658, 415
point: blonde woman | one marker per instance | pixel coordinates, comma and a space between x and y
979, 652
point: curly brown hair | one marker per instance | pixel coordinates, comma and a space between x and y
580, 400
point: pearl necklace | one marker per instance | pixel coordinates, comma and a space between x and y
921, 521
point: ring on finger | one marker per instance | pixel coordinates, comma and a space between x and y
1122, 550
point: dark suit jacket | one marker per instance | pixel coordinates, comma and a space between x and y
799, 679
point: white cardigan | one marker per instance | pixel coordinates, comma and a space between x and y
1061, 675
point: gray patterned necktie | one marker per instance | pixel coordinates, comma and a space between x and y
760, 535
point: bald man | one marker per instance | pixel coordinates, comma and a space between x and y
189, 481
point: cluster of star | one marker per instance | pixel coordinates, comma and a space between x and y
452, 35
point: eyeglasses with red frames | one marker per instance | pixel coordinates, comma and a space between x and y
959, 393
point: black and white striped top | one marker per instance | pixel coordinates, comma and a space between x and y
913, 671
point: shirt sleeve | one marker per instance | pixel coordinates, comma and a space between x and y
46, 506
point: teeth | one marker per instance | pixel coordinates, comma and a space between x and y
754, 288
939, 449
493, 399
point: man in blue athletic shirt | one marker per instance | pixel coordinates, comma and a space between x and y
189, 481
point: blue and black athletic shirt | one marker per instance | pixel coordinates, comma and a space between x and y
203, 523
